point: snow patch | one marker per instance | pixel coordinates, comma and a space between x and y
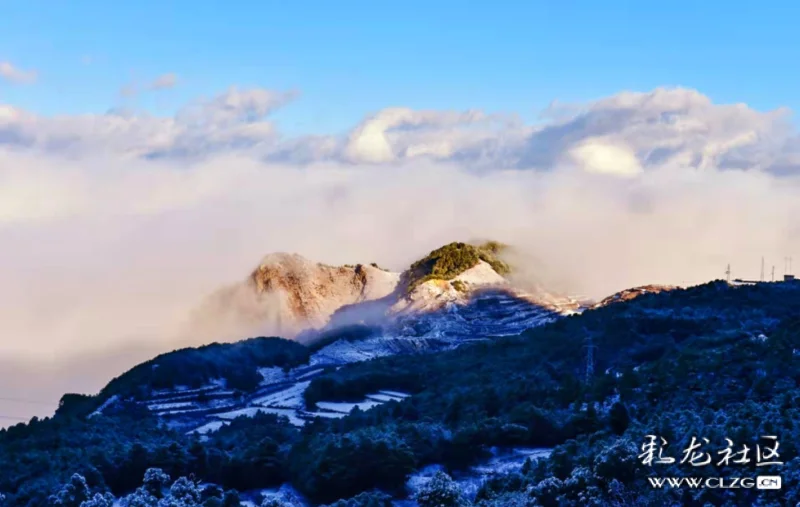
272, 375
346, 408
291, 397
208, 427
105, 405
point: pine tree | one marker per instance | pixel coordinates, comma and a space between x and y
72, 494
619, 418
155, 480
441, 491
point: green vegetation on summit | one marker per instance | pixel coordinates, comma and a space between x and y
451, 260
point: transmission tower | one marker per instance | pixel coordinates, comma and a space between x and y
590, 346
728, 273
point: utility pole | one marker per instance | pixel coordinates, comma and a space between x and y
728, 273
762, 269
773, 273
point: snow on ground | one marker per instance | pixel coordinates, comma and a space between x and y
382, 397
289, 413
170, 406
289, 403
272, 375
209, 427
344, 351
481, 274
508, 462
104, 406
502, 463
311, 373
291, 397
182, 390
221, 403
328, 415
346, 408
233, 414
395, 394
285, 493
211, 393
422, 476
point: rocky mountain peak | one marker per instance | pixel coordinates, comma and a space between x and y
288, 293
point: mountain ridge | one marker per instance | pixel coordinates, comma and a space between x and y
290, 294
684, 361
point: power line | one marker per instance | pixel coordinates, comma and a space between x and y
13, 418
33, 402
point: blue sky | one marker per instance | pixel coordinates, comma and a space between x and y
351, 58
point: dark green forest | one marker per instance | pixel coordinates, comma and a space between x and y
712, 361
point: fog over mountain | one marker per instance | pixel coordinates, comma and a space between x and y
115, 226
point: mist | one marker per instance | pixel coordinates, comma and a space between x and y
104, 257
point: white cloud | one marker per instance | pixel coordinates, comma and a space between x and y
404, 133
626, 133
673, 127
595, 155
164, 82
114, 226
134, 88
134, 217
232, 121
16, 75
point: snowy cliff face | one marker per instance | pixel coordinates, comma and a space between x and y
288, 294
313, 292
436, 294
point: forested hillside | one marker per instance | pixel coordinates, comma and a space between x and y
713, 361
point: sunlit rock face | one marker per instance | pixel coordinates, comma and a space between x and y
291, 296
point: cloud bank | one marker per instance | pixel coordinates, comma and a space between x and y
13, 74
115, 226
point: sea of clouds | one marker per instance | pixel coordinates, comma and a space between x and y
113, 227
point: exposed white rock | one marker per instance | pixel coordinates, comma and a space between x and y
435, 294
288, 294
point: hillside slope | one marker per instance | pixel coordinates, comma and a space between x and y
632, 293
713, 361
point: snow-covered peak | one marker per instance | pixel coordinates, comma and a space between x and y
435, 294
288, 295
